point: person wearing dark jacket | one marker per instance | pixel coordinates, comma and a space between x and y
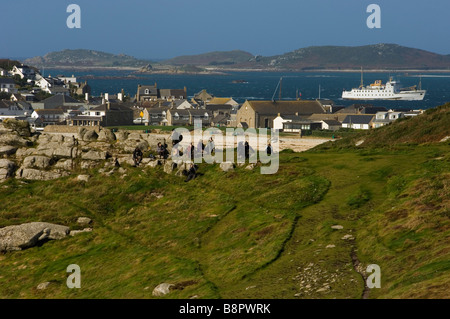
248, 149
191, 151
137, 156
269, 149
191, 173
161, 150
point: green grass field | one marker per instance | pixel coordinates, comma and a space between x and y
224, 232
242, 234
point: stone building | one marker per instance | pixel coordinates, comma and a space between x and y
260, 114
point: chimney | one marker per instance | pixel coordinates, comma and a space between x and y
120, 97
108, 106
86, 96
103, 101
185, 90
107, 96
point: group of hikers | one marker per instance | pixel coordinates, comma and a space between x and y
244, 151
190, 173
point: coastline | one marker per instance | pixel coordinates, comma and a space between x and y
223, 71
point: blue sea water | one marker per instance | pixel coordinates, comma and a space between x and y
262, 85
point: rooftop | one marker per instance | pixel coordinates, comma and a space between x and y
358, 119
301, 107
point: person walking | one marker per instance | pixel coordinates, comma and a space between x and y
269, 149
191, 151
211, 145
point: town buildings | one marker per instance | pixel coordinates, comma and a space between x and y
71, 104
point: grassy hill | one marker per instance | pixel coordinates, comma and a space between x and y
431, 127
219, 58
378, 56
8, 64
245, 235
81, 57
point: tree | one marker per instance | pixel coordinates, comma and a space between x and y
5, 96
20, 82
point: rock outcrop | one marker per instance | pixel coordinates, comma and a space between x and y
7, 150
13, 139
95, 155
162, 289
27, 235
90, 135
227, 166
47, 156
6, 169
39, 162
106, 135
22, 128
36, 174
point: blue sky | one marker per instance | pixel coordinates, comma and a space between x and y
168, 28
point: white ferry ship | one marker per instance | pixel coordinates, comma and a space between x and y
389, 91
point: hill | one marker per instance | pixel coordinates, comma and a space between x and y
8, 64
378, 56
308, 231
85, 58
219, 58
431, 127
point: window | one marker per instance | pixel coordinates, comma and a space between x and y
146, 91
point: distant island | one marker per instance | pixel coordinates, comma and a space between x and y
82, 58
378, 57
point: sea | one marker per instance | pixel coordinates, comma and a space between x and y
243, 86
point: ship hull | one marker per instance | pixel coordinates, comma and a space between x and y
401, 96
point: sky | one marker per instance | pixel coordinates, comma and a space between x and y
161, 29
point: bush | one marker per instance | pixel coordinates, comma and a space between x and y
359, 198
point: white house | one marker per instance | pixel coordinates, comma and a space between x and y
331, 125
43, 83
12, 114
3, 72
281, 119
359, 122
7, 85
182, 104
68, 79
97, 111
49, 116
385, 118
24, 71
58, 90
